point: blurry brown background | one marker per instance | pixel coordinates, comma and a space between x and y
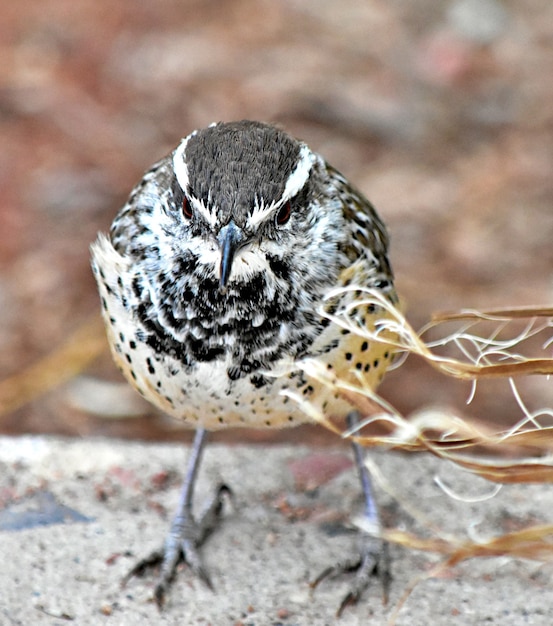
439, 110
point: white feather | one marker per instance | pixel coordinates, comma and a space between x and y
294, 184
179, 163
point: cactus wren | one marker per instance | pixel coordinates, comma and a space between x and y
212, 280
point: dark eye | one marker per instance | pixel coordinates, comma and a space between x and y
284, 213
187, 208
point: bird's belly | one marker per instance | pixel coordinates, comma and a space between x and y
204, 395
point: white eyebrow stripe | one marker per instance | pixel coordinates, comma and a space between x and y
299, 176
260, 212
294, 184
209, 216
179, 164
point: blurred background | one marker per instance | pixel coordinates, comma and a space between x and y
441, 111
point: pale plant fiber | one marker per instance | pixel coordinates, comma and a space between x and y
522, 453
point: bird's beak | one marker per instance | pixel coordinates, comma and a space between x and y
230, 238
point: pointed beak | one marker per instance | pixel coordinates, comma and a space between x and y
230, 238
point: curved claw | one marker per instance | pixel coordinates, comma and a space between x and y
349, 599
182, 546
343, 567
154, 559
370, 563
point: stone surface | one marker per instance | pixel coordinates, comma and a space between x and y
273, 540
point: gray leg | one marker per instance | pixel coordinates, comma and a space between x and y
186, 534
374, 557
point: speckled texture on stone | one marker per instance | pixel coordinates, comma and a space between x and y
272, 542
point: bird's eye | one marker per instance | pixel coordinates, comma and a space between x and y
284, 213
187, 208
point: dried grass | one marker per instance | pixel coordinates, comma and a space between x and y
496, 353
481, 345
80, 350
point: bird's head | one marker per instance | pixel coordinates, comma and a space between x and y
249, 199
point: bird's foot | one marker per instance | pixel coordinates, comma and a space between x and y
182, 546
374, 560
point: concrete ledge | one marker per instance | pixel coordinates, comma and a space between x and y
77, 514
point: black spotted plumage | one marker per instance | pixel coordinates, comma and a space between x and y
159, 275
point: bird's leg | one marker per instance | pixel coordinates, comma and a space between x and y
186, 534
374, 557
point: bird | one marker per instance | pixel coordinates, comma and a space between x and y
213, 281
